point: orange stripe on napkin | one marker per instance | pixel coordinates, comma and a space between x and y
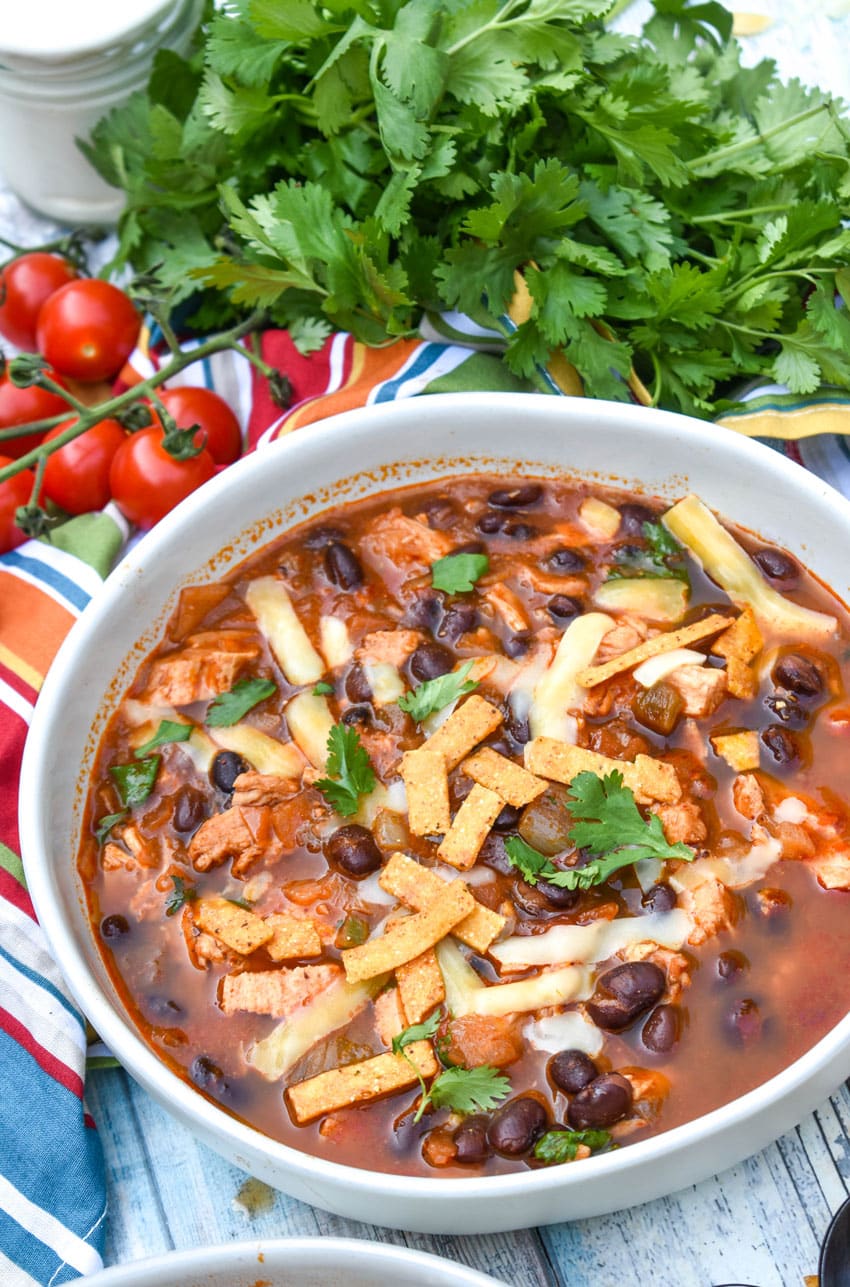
369, 367
32, 625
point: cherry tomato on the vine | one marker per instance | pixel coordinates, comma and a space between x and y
14, 492
87, 329
146, 481
24, 406
76, 477
192, 406
25, 284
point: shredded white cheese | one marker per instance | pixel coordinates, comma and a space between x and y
654, 669
791, 809
568, 1031
268, 599
558, 691
310, 721
384, 680
335, 642
589, 943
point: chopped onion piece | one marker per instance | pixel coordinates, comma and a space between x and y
591, 943
652, 670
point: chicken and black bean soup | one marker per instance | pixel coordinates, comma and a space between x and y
483, 825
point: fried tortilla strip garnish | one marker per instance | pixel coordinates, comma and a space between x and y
511, 781
739, 750
648, 778
680, 638
359, 1083
281, 993
293, 937
464, 729
236, 927
420, 986
470, 828
416, 886
411, 936
739, 644
426, 783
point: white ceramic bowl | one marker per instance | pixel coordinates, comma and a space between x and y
294, 1262
343, 458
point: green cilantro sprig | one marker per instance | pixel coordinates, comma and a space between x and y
169, 731
323, 689
457, 573
180, 895
562, 1146
135, 781
229, 708
662, 557
350, 772
463, 1090
434, 694
105, 825
609, 825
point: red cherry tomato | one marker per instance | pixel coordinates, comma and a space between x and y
190, 406
87, 329
14, 492
146, 482
25, 284
23, 406
76, 477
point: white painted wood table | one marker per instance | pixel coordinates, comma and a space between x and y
759, 1223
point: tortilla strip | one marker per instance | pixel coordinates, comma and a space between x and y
464, 729
427, 787
471, 827
411, 936
236, 927
420, 986
739, 644
680, 638
292, 937
649, 779
358, 1083
739, 750
511, 781
416, 886
740, 679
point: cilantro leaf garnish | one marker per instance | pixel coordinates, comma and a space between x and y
418, 1032
561, 1146
169, 731
469, 1090
350, 772
180, 895
610, 826
457, 573
229, 708
105, 825
323, 689
662, 557
135, 781
434, 694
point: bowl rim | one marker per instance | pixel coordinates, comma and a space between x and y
120, 1034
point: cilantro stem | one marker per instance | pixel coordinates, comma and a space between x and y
732, 149
498, 23
736, 216
89, 416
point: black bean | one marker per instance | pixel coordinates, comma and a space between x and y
572, 1070
520, 531
357, 687
558, 895
518, 729
114, 926
516, 1125
776, 564
226, 768
507, 820
342, 566
787, 708
633, 517
522, 497
440, 510
629, 553
423, 612
206, 1073
745, 1021
624, 993
781, 743
565, 562
562, 607
353, 850
318, 537
490, 524
361, 713
731, 964
190, 809
660, 898
517, 645
661, 1030
471, 1139
605, 1101
798, 675
429, 661
459, 619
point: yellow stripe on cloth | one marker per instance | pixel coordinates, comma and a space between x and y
804, 420
21, 668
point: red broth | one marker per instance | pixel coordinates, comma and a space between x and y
759, 976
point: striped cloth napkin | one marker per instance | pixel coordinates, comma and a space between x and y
52, 1191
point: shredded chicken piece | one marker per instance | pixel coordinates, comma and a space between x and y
628, 633
483, 1039
208, 665
748, 796
702, 687
224, 835
410, 546
389, 1016
832, 869
262, 788
712, 907
650, 1088
682, 821
392, 646
276, 992
508, 605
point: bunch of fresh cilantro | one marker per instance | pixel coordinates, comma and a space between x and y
357, 163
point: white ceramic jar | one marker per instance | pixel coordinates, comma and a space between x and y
62, 67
